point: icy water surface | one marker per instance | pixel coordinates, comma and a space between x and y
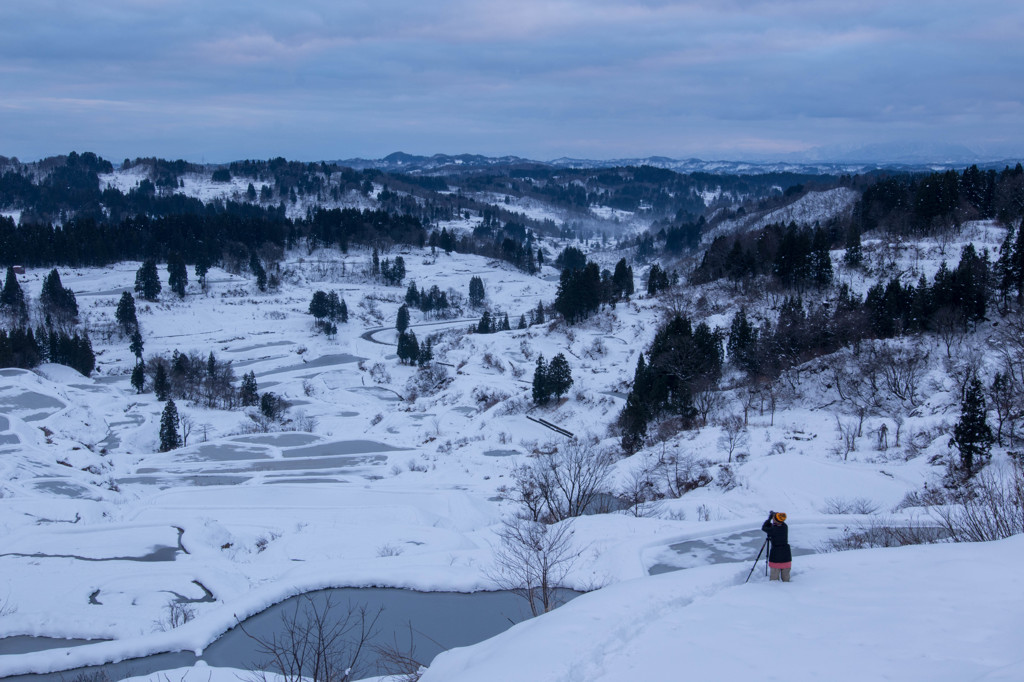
441, 620
737, 546
24, 644
20, 401
281, 440
323, 361
344, 447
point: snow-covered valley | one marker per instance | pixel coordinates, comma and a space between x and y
386, 475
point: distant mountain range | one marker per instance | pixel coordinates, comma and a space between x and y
831, 162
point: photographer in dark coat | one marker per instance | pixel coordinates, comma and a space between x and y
780, 557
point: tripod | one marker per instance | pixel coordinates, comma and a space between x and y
758, 559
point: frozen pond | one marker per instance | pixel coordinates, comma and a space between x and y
377, 392
345, 447
221, 452
500, 453
320, 463
296, 455
24, 644
164, 481
64, 488
737, 546
38, 406
441, 620
281, 440
159, 553
322, 361
269, 344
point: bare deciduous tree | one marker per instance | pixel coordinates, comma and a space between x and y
848, 434
641, 491
903, 370
178, 613
399, 663
707, 399
950, 328
734, 434
991, 507
682, 473
533, 560
186, 423
317, 641
565, 482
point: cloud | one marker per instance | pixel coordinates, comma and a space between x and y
540, 78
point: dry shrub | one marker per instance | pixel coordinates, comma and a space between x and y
885, 533
842, 505
989, 507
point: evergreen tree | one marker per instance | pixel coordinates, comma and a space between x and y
579, 293
19, 348
393, 273
522, 322
854, 255
426, 354
505, 326
375, 263
476, 291
742, 344
169, 438
161, 382
1016, 263
622, 279
125, 314
538, 317
12, 298
336, 308
83, 358
970, 284
271, 405
820, 265
972, 436
319, 306
177, 275
147, 281
412, 295
408, 348
202, 268
139, 377
484, 326
56, 300
657, 280
257, 269
571, 258
541, 392
637, 411
136, 346
402, 321
248, 394
559, 376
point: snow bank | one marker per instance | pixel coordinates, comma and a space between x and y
941, 612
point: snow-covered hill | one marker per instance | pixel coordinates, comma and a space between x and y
396, 477
902, 614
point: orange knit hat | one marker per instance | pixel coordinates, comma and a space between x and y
780, 517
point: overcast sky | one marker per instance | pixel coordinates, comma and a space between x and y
220, 80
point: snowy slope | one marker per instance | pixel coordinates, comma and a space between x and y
812, 207
950, 612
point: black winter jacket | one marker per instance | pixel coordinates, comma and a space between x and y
778, 537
